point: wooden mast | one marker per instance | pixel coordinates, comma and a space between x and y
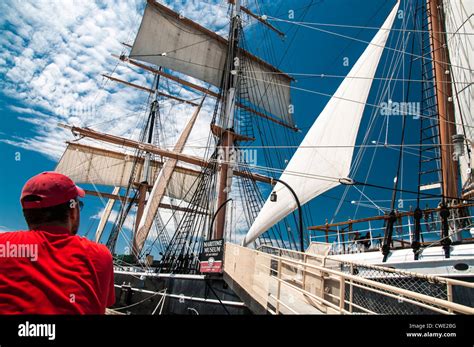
145, 179
225, 173
444, 97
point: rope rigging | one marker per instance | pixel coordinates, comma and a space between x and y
181, 250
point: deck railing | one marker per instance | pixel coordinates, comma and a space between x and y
343, 238
291, 282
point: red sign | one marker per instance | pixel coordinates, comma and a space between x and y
211, 266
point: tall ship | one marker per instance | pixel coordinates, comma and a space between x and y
183, 206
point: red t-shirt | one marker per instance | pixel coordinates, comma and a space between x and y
50, 271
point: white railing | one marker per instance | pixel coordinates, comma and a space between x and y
352, 246
291, 282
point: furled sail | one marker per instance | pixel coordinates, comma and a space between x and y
459, 16
325, 153
105, 215
161, 185
169, 40
92, 165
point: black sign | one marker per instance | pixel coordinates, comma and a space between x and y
212, 255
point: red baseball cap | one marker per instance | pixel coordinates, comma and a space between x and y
52, 188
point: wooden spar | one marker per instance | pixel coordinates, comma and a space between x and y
160, 186
202, 89
218, 131
105, 215
444, 96
166, 75
261, 20
142, 190
325, 227
149, 90
117, 140
124, 156
122, 199
146, 89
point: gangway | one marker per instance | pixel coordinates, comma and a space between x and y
271, 280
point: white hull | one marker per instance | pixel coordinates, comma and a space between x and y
431, 261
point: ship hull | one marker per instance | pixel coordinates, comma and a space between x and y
140, 293
432, 261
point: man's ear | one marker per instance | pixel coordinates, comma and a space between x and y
73, 213
74, 218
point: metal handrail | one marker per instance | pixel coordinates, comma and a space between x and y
407, 236
372, 229
431, 278
418, 299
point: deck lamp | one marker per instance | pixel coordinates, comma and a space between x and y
273, 197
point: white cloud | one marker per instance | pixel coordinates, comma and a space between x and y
113, 216
4, 229
54, 53
27, 111
210, 14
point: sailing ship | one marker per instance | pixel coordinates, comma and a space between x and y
250, 103
444, 29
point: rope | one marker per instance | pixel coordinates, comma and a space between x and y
161, 292
217, 296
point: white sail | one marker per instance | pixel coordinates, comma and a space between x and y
325, 153
97, 166
460, 38
169, 40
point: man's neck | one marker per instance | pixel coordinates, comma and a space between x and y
52, 228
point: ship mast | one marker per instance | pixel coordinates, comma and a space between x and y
145, 179
163, 40
227, 138
444, 97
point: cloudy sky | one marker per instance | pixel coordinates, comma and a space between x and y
53, 64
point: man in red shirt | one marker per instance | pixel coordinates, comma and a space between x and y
49, 269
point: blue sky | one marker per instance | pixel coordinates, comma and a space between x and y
53, 54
